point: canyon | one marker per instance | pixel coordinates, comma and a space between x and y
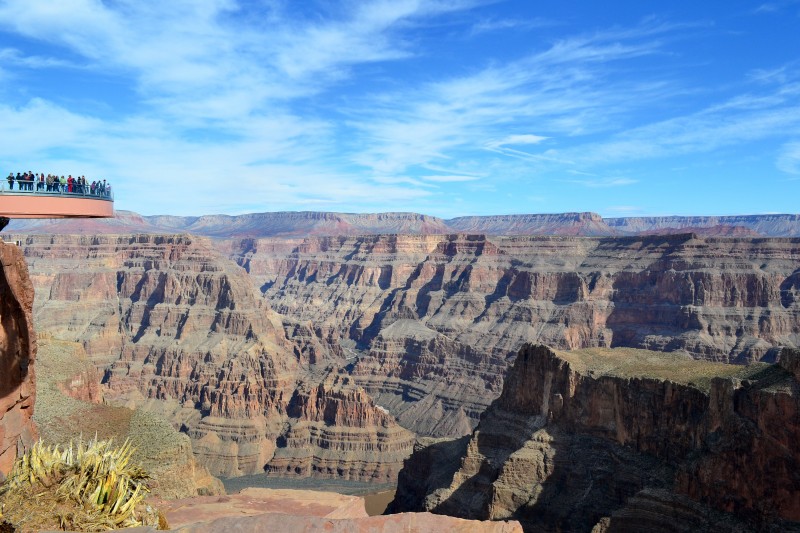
434, 321
275, 346
71, 404
219, 335
179, 330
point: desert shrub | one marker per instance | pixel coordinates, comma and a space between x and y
90, 486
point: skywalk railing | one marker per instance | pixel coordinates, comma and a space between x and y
41, 191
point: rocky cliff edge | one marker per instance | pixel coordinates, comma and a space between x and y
17, 354
623, 440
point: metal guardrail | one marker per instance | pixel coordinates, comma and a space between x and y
109, 197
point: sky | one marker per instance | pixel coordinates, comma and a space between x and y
443, 107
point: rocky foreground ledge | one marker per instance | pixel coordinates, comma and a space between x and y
623, 440
298, 511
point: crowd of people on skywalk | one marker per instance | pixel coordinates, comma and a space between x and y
29, 181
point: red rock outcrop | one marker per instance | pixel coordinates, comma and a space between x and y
17, 355
398, 523
575, 435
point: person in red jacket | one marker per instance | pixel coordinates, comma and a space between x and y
70, 183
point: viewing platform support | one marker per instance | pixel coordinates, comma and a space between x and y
41, 204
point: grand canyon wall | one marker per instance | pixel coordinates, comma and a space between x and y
17, 355
435, 320
181, 330
423, 326
623, 440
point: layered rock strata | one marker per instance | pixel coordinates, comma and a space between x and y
436, 319
586, 224
334, 420
625, 439
181, 330
17, 355
426, 325
775, 225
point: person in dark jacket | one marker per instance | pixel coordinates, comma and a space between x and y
10, 179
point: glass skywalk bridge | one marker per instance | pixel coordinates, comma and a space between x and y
54, 204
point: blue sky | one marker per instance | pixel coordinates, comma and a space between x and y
444, 107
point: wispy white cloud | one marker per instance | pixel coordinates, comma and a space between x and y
449, 179
596, 183
489, 25
198, 59
745, 118
789, 159
12, 56
775, 6
515, 140
566, 89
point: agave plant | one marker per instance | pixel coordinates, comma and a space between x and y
96, 479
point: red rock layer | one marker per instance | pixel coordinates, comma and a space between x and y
17, 355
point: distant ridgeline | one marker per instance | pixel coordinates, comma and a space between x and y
314, 223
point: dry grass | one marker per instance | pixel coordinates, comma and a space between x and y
90, 486
673, 366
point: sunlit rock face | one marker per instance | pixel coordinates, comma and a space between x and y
17, 355
179, 328
438, 318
